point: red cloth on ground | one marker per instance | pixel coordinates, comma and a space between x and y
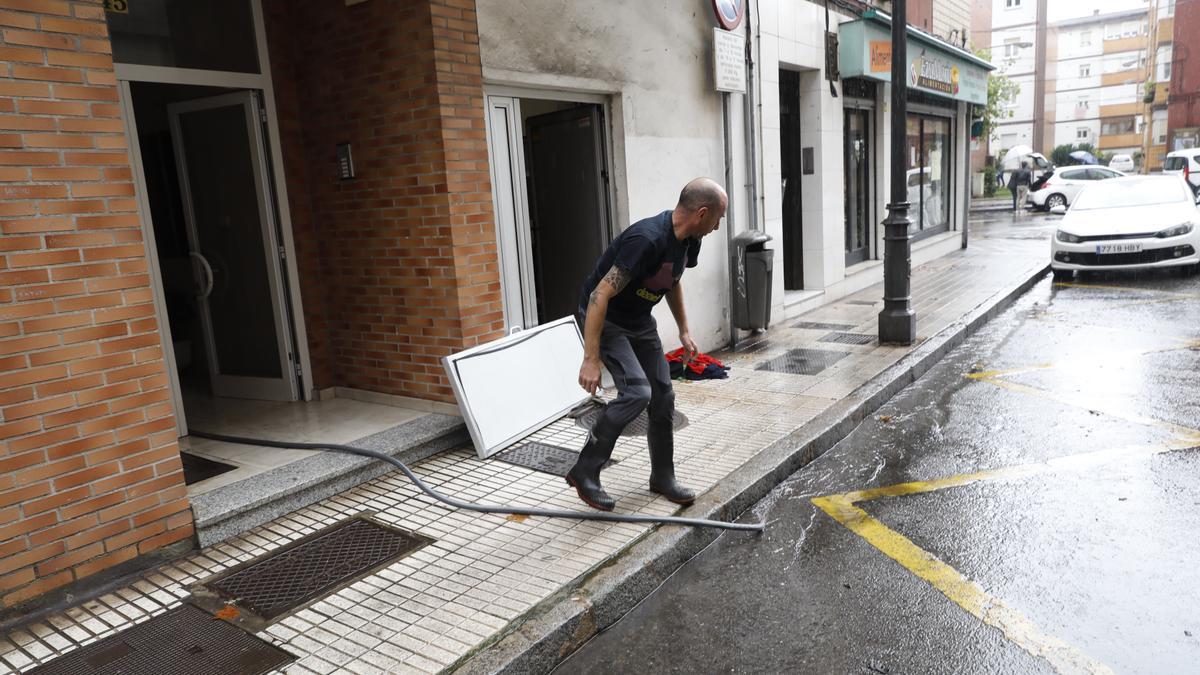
698, 363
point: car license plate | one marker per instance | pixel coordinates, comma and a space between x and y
1101, 249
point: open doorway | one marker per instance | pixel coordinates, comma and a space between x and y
550, 181
791, 167
208, 192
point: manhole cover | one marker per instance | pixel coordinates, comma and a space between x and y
816, 325
802, 361
542, 457
313, 567
638, 427
848, 338
183, 640
197, 468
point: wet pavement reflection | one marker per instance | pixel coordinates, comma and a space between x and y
1045, 519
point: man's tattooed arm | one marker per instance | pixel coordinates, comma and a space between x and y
617, 278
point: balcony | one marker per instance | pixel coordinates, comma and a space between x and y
1111, 141
1121, 109
1166, 30
1129, 44
1131, 76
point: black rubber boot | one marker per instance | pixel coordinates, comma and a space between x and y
585, 475
662, 466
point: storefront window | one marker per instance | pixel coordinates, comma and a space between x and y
181, 34
928, 150
857, 163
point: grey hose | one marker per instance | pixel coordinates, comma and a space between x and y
482, 508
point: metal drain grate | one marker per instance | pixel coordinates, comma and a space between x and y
848, 338
183, 640
542, 457
802, 361
638, 427
313, 567
861, 302
816, 325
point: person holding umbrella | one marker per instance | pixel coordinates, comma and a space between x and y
1018, 183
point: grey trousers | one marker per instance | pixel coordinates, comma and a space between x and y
643, 379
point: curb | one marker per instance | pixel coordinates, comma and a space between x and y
539, 640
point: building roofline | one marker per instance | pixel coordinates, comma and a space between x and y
1098, 18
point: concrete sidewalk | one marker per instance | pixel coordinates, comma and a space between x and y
494, 593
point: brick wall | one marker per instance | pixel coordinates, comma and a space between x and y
1184, 100
90, 473
400, 264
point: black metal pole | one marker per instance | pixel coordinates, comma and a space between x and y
897, 321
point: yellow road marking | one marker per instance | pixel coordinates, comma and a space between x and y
991, 374
960, 590
1187, 433
1065, 463
1131, 289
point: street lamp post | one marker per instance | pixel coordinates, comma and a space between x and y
897, 321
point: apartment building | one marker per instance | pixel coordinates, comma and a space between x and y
1101, 70
1017, 46
1157, 85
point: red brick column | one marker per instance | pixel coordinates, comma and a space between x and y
90, 474
401, 261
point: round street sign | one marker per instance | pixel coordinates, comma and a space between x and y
729, 12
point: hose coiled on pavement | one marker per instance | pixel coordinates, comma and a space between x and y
481, 508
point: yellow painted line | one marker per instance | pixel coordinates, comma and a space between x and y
990, 374
1182, 343
1131, 289
1066, 463
960, 590
1191, 435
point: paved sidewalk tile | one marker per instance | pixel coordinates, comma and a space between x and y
428, 610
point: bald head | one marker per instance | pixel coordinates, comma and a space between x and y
701, 192
700, 210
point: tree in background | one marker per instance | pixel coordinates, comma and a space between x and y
1001, 92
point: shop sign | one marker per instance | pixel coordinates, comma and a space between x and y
865, 50
934, 73
881, 56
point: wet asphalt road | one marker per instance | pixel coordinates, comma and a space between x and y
1083, 558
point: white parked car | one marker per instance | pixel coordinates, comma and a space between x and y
1128, 223
1184, 163
1121, 163
1061, 188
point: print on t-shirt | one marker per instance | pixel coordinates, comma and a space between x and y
654, 287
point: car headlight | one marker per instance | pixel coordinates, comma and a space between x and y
1178, 230
1067, 237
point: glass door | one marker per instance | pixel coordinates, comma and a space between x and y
219, 153
857, 163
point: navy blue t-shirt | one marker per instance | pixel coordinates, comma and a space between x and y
655, 259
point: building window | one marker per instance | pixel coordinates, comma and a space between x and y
1163, 61
1010, 4
1085, 38
1085, 70
1083, 104
1118, 125
1166, 8
1011, 50
929, 176
1082, 133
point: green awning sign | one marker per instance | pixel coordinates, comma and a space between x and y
865, 50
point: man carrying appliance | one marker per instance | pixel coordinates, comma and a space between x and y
641, 266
